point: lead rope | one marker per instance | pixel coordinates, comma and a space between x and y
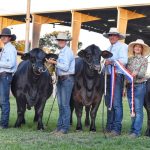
53, 100
51, 109
103, 109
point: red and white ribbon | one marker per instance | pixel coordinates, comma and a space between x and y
128, 76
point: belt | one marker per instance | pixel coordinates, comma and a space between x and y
63, 77
5, 73
135, 84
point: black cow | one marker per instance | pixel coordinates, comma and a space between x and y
89, 85
32, 85
147, 106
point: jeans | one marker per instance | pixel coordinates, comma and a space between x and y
115, 115
139, 93
5, 82
64, 90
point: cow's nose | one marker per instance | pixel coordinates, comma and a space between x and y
40, 69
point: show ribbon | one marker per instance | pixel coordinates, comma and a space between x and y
128, 76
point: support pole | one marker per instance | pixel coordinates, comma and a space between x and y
123, 17
27, 26
77, 19
37, 21
35, 33
76, 26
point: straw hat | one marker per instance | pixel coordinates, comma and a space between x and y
63, 36
146, 48
114, 31
7, 32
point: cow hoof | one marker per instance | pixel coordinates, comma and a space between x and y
93, 130
17, 125
147, 133
41, 128
79, 129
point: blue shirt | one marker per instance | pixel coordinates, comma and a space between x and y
120, 52
65, 62
8, 58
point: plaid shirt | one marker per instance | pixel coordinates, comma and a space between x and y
138, 64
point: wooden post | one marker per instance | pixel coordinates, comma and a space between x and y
77, 19
76, 26
37, 24
35, 33
27, 26
123, 17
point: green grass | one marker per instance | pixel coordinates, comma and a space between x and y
28, 138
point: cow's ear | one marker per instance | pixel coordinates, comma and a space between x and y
82, 53
106, 54
25, 56
51, 55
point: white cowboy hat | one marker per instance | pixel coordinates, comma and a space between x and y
114, 31
146, 48
63, 36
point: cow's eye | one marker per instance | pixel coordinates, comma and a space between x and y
88, 56
32, 59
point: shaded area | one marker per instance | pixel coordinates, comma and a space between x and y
137, 28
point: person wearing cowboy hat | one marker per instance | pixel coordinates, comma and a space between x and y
120, 53
8, 65
137, 65
65, 69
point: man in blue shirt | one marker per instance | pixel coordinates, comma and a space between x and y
8, 65
65, 69
120, 53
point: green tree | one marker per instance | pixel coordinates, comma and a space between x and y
49, 41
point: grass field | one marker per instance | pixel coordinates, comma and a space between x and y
28, 138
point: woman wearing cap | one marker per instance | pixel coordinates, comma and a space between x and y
137, 65
65, 66
8, 65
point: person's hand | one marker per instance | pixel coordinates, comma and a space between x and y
51, 61
108, 62
134, 73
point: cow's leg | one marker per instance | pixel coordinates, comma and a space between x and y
36, 115
147, 107
78, 110
39, 108
93, 113
72, 109
147, 133
21, 108
87, 119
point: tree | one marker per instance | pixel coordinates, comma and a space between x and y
48, 41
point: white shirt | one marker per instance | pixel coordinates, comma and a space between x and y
65, 62
8, 59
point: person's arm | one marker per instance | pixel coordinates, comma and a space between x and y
10, 59
142, 70
64, 61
